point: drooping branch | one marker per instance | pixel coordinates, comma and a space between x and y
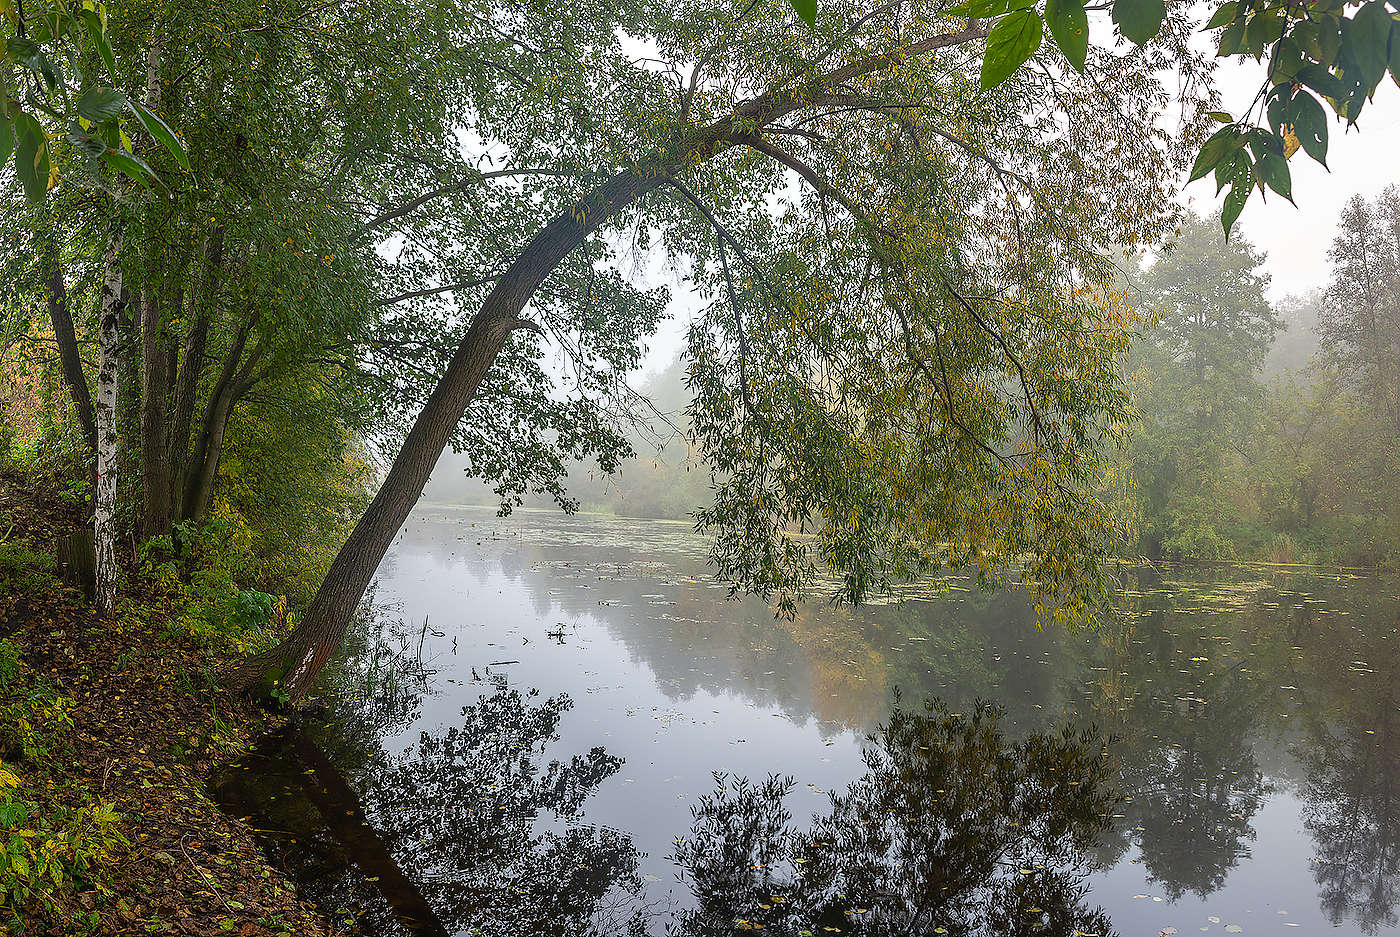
476, 178
435, 290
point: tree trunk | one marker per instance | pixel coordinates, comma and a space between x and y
77, 563
155, 466
205, 462
299, 658
202, 463
109, 343
61, 317
191, 370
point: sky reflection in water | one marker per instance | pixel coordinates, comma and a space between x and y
589, 679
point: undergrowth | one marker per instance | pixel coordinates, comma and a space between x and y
46, 846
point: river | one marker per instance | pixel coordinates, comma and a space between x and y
578, 731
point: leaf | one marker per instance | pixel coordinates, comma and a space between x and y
1223, 15
1322, 81
1276, 105
100, 105
131, 166
1288, 60
7, 140
806, 11
1069, 27
1139, 20
1309, 122
31, 157
88, 145
1395, 53
1273, 170
1241, 184
1221, 117
27, 53
1290, 141
99, 41
1364, 40
979, 9
1213, 151
162, 132
1012, 41
1231, 38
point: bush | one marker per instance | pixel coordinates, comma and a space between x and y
202, 587
1284, 549
9, 663
1200, 542
1357, 540
44, 851
25, 570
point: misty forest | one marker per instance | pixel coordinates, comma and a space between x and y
640, 470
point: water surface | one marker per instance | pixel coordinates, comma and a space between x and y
1224, 759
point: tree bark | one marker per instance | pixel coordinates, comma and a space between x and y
61, 317
203, 462
191, 370
109, 343
155, 466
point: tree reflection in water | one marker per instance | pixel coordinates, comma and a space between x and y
1352, 752
954, 829
489, 831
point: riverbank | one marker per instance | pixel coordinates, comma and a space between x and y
110, 729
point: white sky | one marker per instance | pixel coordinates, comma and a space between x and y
1296, 240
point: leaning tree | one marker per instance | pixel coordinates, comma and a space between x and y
907, 353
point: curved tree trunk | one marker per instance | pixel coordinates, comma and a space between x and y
61, 318
299, 658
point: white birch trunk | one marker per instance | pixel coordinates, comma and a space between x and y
104, 523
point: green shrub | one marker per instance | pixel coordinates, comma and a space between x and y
43, 852
9, 663
201, 587
25, 570
1200, 542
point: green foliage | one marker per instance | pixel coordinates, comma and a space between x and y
23, 569
1338, 50
1012, 41
1195, 539
1303, 469
9, 663
1196, 387
54, 109
46, 850
202, 589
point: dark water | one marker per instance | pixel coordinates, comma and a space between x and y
541, 757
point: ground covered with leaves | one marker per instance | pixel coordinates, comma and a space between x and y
109, 732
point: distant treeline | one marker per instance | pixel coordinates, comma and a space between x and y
1270, 431
665, 480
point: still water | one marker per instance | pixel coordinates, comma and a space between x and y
578, 732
